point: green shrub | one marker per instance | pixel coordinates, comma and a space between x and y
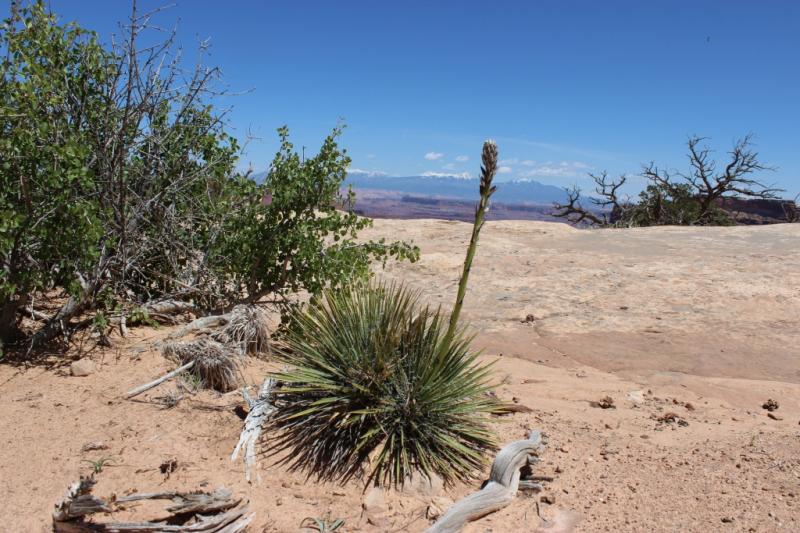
373, 380
304, 237
118, 185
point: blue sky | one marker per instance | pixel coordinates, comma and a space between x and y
565, 87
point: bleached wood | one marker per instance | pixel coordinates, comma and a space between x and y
79, 502
198, 324
497, 493
147, 386
260, 409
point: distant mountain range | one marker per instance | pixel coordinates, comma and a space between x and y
510, 192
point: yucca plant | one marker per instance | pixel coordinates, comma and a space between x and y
377, 384
373, 387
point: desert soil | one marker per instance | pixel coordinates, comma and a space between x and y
687, 330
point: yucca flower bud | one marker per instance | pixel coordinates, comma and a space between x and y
489, 167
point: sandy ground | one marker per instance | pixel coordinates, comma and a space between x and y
698, 324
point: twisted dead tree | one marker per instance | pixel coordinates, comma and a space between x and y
499, 491
607, 206
670, 197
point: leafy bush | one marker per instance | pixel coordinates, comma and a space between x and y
373, 378
51, 83
297, 231
118, 186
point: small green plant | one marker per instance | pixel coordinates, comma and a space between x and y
323, 525
99, 464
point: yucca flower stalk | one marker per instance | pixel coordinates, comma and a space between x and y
488, 171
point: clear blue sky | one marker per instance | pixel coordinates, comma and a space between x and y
564, 86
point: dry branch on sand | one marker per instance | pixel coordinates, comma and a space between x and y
260, 410
207, 512
500, 491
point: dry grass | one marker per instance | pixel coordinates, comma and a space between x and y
216, 365
246, 328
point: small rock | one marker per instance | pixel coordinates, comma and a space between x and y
379, 521
770, 405
636, 396
422, 486
607, 402
670, 417
548, 499
432, 512
374, 501
92, 446
81, 367
774, 416
727, 519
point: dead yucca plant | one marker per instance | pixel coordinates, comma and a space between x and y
246, 328
215, 364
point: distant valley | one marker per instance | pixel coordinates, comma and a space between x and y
447, 197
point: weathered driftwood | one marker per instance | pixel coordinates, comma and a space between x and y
199, 324
79, 501
189, 502
169, 307
498, 492
147, 386
234, 521
260, 409
194, 507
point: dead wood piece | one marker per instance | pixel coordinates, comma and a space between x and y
196, 507
199, 324
79, 501
511, 408
147, 386
234, 521
498, 492
260, 409
169, 307
189, 502
33, 314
